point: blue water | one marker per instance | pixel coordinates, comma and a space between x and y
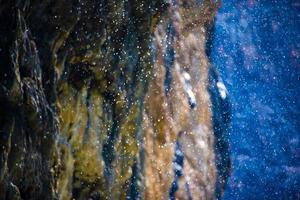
256, 48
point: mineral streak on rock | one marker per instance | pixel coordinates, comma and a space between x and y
93, 94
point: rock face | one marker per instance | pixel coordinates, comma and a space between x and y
110, 100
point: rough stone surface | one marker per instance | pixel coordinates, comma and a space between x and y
108, 100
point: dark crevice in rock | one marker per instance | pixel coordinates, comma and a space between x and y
108, 152
210, 34
178, 163
169, 56
134, 190
86, 135
221, 116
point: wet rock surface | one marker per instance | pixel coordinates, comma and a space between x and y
107, 100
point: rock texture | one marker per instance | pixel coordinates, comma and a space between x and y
109, 100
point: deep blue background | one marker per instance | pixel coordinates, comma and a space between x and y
256, 48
